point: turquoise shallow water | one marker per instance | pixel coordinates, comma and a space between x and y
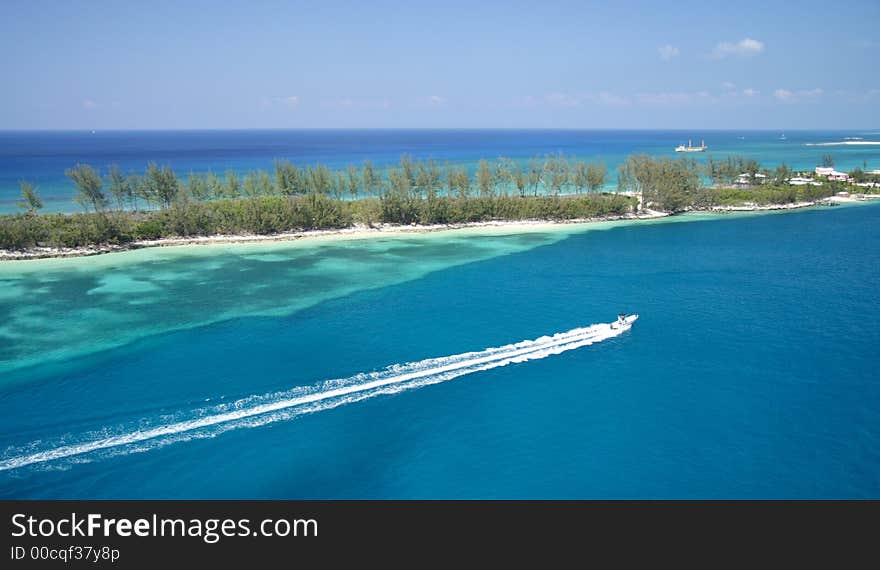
750, 374
57, 308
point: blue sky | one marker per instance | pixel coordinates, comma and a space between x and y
261, 64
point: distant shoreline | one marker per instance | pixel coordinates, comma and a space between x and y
844, 143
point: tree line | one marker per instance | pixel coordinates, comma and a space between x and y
158, 187
120, 208
676, 185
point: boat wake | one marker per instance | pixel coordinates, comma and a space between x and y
259, 410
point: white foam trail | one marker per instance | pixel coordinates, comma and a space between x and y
259, 410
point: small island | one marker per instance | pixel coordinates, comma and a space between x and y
158, 208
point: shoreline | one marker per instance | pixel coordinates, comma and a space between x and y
357, 231
829, 201
360, 231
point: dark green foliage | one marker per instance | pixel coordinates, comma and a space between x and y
665, 184
413, 192
89, 186
485, 179
159, 186
275, 214
596, 174
769, 194
782, 174
120, 187
30, 200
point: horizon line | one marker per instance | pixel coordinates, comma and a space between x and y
573, 129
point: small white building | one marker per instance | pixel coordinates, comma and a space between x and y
744, 180
832, 174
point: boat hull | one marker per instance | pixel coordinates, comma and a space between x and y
626, 323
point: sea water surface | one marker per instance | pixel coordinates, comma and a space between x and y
262, 372
41, 157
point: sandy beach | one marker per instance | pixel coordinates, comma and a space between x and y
355, 232
769, 207
360, 231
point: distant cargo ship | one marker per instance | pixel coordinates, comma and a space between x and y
691, 148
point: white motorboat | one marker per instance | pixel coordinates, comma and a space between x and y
624, 321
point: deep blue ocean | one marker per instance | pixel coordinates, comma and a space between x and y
41, 157
752, 372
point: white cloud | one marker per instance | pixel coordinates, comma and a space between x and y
359, 102
749, 92
668, 97
288, 101
743, 48
608, 98
783, 94
89, 104
667, 52
559, 99
436, 100
563, 99
788, 96
728, 85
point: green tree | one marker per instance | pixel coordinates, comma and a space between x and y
535, 174
408, 169
858, 175
458, 181
670, 185
339, 186
503, 175
751, 168
30, 200
231, 185
320, 179
557, 168
89, 187
370, 179
289, 179
519, 179
267, 188
579, 176
120, 187
828, 161
428, 179
197, 186
215, 186
782, 174
250, 185
398, 183
485, 179
596, 174
353, 181
160, 185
